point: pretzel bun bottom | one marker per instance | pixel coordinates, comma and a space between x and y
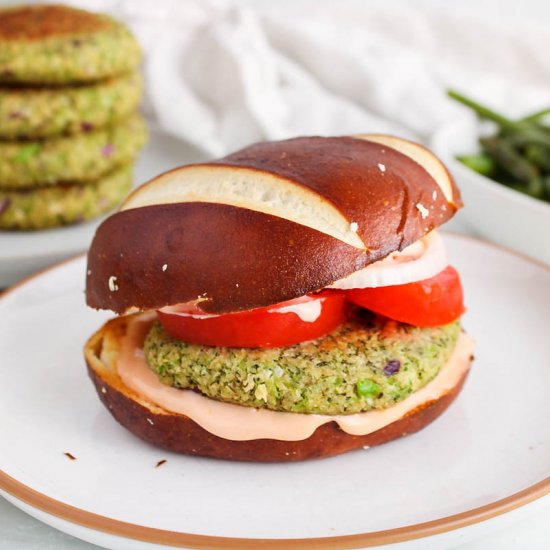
179, 433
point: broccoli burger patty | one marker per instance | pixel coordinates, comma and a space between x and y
39, 112
361, 366
55, 44
64, 204
80, 158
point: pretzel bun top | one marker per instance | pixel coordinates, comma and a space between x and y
268, 223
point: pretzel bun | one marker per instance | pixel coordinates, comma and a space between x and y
266, 224
181, 434
272, 222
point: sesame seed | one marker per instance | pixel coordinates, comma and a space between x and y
237, 285
382, 167
354, 226
113, 287
366, 447
424, 212
150, 422
164, 267
103, 390
434, 195
89, 272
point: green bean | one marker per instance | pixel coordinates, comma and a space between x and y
535, 188
539, 155
481, 110
526, 133
536, 116
509, 159
517, 155
481, 163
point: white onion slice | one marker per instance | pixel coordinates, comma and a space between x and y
421, 260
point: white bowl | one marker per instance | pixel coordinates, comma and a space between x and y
492, 210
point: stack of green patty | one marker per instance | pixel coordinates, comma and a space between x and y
69, 130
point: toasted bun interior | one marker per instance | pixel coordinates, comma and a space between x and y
179, 433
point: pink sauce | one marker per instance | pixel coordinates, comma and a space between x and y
240, 423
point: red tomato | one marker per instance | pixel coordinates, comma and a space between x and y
427, 303
266, 327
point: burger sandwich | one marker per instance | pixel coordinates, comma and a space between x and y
291, 300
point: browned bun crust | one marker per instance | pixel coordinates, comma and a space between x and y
28, 23
346, 171
239, 258
178, 433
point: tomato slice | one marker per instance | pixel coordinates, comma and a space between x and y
431, 302
283, 324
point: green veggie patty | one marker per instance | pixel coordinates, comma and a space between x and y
79, 158
44, 112
361, 366
55, 44
63, 204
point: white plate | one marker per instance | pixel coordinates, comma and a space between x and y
22, 253
489, 454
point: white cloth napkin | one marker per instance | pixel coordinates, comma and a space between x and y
224, 73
